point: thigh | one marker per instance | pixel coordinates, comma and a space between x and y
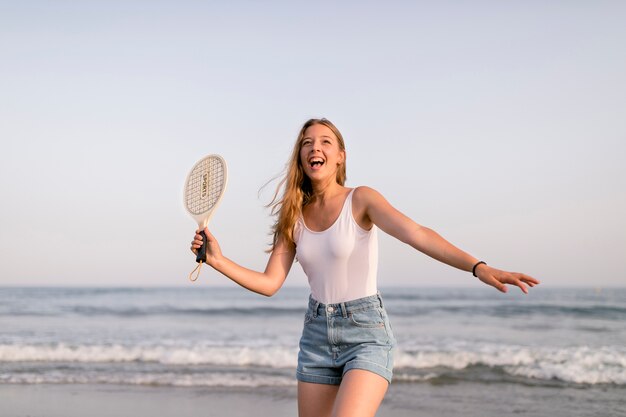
316, 400
360, 394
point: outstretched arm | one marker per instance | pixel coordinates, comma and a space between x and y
375, 209
266, 283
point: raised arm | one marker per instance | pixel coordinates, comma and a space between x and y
266, 283
373, 208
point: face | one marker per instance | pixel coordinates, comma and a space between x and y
320, 153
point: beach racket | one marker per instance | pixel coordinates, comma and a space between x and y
204, 189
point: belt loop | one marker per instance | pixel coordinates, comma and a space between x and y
344, 312
380, 299
317, 304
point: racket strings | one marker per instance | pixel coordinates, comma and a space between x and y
205, 186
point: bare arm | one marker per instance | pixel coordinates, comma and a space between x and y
266, 283
375, 209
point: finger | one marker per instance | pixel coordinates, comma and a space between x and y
528, 279
522, 287
531, 280
491, 280
515, 279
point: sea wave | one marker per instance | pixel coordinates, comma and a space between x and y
579, 365
175, 303
600, 312
576, 365
609, 313
175, 379
201, 354
501, 310
163, 310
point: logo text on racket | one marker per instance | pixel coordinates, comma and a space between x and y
205, 185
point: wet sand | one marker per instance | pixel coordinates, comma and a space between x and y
402, 400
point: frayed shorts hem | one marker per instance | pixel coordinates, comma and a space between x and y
336, 380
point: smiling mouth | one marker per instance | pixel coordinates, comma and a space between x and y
316, 163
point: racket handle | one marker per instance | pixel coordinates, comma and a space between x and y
201, 256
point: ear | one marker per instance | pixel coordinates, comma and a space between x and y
342, 157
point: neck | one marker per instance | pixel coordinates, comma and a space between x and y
325, 190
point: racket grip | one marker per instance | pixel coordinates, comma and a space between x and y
201, 256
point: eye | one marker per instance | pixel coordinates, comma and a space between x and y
305, 142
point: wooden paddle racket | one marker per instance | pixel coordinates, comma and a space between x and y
204, 189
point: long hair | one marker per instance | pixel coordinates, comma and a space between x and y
296, 187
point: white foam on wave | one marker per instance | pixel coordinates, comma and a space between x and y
275, 357
222, 379
581, 364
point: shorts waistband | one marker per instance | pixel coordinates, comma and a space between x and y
343, 309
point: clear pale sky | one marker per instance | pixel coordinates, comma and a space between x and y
499, 124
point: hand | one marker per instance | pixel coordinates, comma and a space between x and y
497, 278
213, 251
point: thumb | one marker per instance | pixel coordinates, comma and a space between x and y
208, 234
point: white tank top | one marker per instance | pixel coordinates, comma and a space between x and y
340, 262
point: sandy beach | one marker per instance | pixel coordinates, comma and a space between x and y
426, 400
110, 401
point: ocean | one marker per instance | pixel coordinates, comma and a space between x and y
552, 341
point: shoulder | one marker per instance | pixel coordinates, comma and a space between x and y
364, 195
366, 201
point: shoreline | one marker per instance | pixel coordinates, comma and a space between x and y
402, 400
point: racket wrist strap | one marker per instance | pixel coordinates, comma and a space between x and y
197, 271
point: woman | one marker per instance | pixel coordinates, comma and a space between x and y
346, 350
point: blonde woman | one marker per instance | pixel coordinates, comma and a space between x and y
346, 350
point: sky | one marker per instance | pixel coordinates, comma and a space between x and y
499, 124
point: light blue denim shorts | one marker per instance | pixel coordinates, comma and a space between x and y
344, 336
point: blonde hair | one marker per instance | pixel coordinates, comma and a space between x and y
296, 187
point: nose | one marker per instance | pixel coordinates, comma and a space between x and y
316, 146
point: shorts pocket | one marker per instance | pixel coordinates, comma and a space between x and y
369, 319
307, 318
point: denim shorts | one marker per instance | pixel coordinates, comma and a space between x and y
343, 336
